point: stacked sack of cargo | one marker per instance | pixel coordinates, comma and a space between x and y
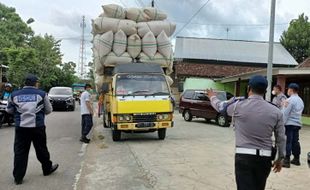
127, 35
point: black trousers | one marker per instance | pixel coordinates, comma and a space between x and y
23, 139
252, 171
292, 140
87, 124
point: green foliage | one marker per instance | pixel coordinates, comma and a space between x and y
297, 38
26, 53
13, 31
21, 61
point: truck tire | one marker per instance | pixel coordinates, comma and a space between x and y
187, 115
116, 135
222, 120
162, 133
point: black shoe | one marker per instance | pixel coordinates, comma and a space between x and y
286, 163
18, 182
295, 161
84, 140
53, 169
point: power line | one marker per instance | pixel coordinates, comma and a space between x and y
194, 15
232, 25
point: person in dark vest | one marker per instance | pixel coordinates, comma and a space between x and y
29, 106
255, 120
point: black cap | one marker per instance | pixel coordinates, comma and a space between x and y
31, 79
258, 82
294, 86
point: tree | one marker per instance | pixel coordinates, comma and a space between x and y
14, 32
66, 75
297, 38
49, 58
21, 61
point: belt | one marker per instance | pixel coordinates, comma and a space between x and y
251, 151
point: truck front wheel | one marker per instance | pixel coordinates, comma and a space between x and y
116, 135
162, 134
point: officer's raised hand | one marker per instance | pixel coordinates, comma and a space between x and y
210, 93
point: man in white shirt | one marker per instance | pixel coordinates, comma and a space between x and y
87, 113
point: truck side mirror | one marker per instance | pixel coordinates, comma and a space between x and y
105, 88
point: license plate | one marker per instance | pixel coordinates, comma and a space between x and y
145, 125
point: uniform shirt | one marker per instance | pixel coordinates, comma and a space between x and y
292, 110
29, 106
278, 100
85, 97
255, 121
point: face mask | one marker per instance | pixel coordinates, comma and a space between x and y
273, 92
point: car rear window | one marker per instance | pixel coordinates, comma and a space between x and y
188, 94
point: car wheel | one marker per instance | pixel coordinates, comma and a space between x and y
222, 120
116, 135
162, 133
187, 115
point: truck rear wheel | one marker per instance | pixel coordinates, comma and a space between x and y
116, 135
162, 134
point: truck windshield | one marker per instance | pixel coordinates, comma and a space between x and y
135, 85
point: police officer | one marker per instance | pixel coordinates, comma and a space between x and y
29, 106
255, 120
292, 112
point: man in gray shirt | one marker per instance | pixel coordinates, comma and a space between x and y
292, 112
255, 121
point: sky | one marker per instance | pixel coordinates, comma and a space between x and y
223, 19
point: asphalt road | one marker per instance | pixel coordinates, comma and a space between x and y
63, 132
195, 156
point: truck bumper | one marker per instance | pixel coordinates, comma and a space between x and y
144, 126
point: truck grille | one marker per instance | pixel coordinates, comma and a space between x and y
144, 118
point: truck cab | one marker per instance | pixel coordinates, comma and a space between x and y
138, 99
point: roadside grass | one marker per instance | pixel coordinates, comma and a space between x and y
306, 121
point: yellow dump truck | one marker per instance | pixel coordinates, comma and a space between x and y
137, 99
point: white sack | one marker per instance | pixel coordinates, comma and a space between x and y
155, 14
128, 26
119, 43
103, 43
104, 24
156, 27
169, 80
114, 11
149, 44
136, 15
111, 59
157, 59
134, 45
164, 45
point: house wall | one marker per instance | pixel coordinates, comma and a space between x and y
203, 83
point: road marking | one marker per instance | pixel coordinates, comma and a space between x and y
78, 176
83, 149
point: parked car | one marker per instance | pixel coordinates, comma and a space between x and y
195, 104
62, 98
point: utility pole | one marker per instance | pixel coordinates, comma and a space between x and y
270, 51
82, 48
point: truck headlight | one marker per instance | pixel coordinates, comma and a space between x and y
124, 118
164, 117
